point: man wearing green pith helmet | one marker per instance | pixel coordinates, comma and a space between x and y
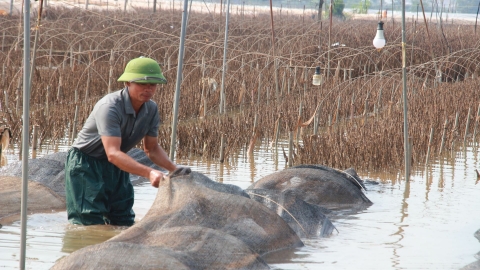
97, 170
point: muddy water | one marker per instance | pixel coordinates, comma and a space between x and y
427, 223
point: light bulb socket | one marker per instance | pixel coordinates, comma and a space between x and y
380, 25
317, 70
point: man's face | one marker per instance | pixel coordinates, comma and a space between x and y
141, 92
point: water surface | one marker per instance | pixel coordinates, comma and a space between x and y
427, 223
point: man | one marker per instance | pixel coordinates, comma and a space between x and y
97, 180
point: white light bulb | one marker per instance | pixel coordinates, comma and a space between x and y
379, 40
317, 77
379, 43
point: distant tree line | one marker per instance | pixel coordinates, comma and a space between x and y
363, 6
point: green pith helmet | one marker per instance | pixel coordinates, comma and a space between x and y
143, 70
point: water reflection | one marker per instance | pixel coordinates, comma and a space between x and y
77, 237
400, 233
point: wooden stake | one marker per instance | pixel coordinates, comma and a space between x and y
429, 145
59, 88
443, 136
74, 128
35, 138
476, 124
47, 96
466, 128
290, 148
222, 148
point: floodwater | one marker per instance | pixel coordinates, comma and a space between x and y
428, 223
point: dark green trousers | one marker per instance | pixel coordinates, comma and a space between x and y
97, 192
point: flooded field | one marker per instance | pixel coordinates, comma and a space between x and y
427, 223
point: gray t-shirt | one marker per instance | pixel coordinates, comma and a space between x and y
113, 115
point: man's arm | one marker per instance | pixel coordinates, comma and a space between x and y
125, 163
156, 153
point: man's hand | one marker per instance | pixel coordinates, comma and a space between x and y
156, 177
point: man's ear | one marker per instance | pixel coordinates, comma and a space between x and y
127, 84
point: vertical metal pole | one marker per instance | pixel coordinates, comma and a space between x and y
405, 106
329, 39
25, 130
173, 137
224, 69
11, 8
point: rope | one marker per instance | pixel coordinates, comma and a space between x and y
282, 208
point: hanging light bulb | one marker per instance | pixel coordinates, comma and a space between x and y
317, 77
379, 40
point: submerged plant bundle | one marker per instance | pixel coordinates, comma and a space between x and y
356, 115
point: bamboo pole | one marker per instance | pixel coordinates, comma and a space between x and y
35, 137
50, 57
288, 85
379, 102
222, 148
454, 131
3, 72
71, 56
259, 88
277, 134
305, 79
87, 88
409, 156
19, 86
300, 109
78, 59
316, 120
1, 155
429, 145
203, 99
222, 104
47, 96
173, 137
442, 144
268, 97
35, 42
365, 110
5, 93
277, 87
74, 128
251, 145
466, 128
110, 72
338, 110
59, 88
476, 124
352, 106
290, 148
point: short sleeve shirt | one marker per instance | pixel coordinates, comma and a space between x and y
113, 115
